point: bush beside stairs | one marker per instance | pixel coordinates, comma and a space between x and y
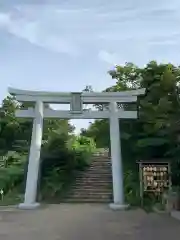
95, 184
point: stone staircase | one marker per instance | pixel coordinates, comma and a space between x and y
95, 184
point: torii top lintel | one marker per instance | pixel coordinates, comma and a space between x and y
65, 97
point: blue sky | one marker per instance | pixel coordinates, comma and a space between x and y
63, 45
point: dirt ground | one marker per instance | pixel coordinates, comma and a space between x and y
85, 222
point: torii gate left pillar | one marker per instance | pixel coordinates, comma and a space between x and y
34, 159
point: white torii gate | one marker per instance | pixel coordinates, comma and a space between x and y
76, 101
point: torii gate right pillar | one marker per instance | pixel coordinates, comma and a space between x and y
116, 158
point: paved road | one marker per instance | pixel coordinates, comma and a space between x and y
86, 222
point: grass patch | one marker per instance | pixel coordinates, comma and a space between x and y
12, 198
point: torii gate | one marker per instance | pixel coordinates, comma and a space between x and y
76, 101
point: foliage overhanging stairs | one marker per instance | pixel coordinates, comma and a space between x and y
95, 184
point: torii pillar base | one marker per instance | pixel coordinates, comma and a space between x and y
28, 206
118, 207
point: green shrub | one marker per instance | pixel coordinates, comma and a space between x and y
62, 157
84, 143
82, 159
10, 177
131, 188
11, 171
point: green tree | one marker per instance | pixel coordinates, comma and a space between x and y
99, 131
9, 125
156, 131
158, 108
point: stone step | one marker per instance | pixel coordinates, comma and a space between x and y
95, 195
101, 161
93, 180
106, 188
89, 200
84, 200
99, 173
101, 157
98, 160
100, 164
91, 185
94, 185
95, 171
92, 189
95, 174
98, 184
88, 194
100, 168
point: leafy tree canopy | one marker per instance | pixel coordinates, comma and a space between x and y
155, 134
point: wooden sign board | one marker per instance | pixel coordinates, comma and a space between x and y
154, 177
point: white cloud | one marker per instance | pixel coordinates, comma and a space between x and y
82, 27
4, 20
111, 58
59, 44
35, 32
